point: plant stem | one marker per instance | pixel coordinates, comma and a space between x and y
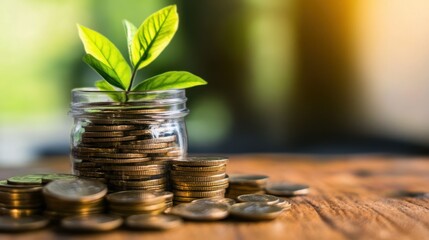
133, 76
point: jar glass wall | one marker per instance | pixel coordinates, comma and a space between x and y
127, 140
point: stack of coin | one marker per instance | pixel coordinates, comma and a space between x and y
74, 197
240, 184
128, 149
198, 177
18, 200
135, 202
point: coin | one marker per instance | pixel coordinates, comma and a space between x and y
94, 150
80, 190
98, 222
102, 134
201, 211
248, 179
200, 194
287, 189
154, 222
228, 201
30, 179
202, 184
8, 223
18, 188
255, 211
200, 188
284, 204
112, 139
15, 212
195, 174
157, 140
201, 161
146, 146
57, 176
109, 128
130, 197
198, 179
113, 155
268, 199
215, 168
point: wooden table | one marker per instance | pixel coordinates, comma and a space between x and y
352, 197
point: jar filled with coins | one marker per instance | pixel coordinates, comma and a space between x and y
127, 139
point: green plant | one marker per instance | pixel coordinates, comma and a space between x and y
144, 46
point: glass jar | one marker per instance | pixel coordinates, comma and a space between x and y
127, 140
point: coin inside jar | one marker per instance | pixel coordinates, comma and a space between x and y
155, 222
96, 222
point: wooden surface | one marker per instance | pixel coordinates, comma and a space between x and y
359, 197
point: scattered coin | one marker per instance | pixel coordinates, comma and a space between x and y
255, 211
96, 222
240, 184
268, 199
287, 189
154, 222
8, 223
202, 211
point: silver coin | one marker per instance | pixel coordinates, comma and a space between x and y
255, 211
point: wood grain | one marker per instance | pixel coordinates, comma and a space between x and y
352, 197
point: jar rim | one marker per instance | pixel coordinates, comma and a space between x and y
96, 90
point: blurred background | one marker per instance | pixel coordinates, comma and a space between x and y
294, 76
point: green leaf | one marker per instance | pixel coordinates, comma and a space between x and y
115, 95
130, 30
106, 72
153, 36
106, 52
170, 80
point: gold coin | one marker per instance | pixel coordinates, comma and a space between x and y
255, 211
98, 222
76, 190
190, 199
113, 155
36, 203
87, 164
108, 128
215, 168
268, 199
181, 179
245, 188
214, 193
112, 139
94, 150
132, 168
201, 211
5, 187
145, 146
8, 223
201, 188
194, 174
287, 189
154, 222
129, 213
102, 134
248, 179
132, 197
152, 131
167, 139
201, 161
118, 160
201, 183
136, 207
126, 176
90, 174
228, 201
149, 151
15, 212
147, 183
7, 196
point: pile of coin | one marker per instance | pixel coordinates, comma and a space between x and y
127, 149
74, 197
240, 184
198, 177
135, 202
18, 200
